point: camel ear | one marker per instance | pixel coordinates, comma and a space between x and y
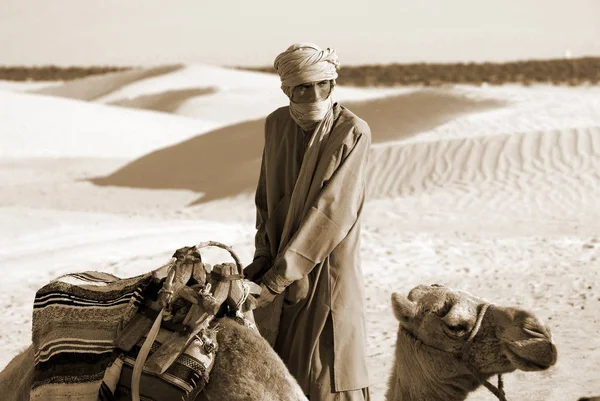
404, 309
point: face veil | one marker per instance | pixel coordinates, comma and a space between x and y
304, 63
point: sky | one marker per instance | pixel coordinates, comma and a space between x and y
253, 32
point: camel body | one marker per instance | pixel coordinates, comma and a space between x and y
246, 368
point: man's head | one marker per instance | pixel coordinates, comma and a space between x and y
304, 64
307, 76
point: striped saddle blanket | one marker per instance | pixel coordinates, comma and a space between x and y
76, 319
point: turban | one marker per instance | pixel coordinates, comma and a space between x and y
305, 62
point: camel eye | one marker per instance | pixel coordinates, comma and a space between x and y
445, 309
458, 327
458, 330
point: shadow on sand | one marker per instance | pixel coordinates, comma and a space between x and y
95, 86
166, 102
226, 162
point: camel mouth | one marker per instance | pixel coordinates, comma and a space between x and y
531, 357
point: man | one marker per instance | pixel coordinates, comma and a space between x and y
309, 200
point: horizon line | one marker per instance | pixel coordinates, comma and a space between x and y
250, 67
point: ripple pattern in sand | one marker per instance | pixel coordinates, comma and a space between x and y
548, 173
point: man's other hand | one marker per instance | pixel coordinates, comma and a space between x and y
265, 297
256, 269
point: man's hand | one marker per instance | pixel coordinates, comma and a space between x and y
265, 297
257, 268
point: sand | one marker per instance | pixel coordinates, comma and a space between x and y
492, 190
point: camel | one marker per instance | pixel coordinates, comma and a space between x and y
436, 324
246, 366
450, 342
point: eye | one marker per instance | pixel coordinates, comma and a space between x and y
456, 331
445, 309
323, 83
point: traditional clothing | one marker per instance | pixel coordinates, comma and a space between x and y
317, 271
309, 199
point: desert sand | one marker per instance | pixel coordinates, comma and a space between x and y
492, 189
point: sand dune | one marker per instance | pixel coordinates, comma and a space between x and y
194, 75
183, 90
167, 102
518, 160
226, 162
231, 106
228, 80
223, 95
546, 176
43, 126
96, 86
219, 164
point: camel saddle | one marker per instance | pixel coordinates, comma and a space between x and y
176, 326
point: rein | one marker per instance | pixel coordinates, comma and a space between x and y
498, 391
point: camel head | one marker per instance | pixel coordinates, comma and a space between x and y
453, 338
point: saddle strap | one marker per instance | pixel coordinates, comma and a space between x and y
142, 356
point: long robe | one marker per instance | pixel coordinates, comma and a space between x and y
319, 269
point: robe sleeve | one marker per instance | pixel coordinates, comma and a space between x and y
334, 213
262, 246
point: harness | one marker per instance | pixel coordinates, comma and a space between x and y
498, 390
193, 294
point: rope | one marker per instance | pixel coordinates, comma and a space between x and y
246, 289
477, 326
497, 391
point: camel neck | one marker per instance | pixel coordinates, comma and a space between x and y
420, 373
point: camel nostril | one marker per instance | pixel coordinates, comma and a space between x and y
537, 333
536, 329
